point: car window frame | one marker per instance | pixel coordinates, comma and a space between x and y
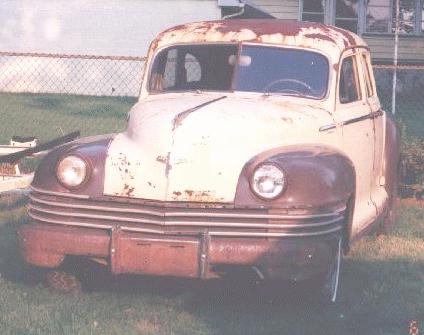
351, 53
239, 46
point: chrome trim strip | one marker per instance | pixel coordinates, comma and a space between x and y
96, 208
221, 234
328, 127
189, 214
372, 115
188, 223
69, 223
247, 234
60, 194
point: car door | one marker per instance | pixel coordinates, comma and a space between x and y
378, 191
358, 135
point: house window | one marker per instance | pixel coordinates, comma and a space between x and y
313, 10
422, 17
347, 15
381, 16
367, 16
378, 16
407, 15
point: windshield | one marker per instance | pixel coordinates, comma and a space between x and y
269, 70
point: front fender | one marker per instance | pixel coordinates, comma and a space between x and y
92, 149
318, 177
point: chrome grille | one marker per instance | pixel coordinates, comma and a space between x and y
170, 218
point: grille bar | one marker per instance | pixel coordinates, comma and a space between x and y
170, 222
162, 218
170, 213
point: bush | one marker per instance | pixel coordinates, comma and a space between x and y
412, 169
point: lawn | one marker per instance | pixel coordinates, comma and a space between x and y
382, 290
382, 287
47, 116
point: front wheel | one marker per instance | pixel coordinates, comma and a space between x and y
331, 279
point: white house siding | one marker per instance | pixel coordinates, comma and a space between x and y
281, 9
88, 27
411, 48
103, 27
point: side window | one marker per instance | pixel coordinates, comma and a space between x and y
170, 73
348, 84
368, 78
193, 69
164, 72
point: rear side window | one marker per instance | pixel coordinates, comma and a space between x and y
348, 84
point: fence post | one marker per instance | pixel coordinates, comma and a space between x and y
395, 58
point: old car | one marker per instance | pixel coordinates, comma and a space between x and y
255, 144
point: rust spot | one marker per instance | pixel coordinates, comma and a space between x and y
128, 190
189, 192
161, 159
349, 39
177, 193
168, 165
150, 184
323, 37
336, 67
255, 30
287, 119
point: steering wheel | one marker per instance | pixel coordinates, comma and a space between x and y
289, 80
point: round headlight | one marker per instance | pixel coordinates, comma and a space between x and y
72, 171
268, 181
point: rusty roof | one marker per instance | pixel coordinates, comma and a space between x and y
329, 39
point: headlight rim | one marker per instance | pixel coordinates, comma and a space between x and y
251, 181
87, 172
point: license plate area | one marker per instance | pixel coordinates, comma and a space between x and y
153, 255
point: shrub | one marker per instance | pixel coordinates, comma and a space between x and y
412, 169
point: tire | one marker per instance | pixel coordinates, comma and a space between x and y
331, 279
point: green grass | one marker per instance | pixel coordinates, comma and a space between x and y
382, 290
46, 116
382, 284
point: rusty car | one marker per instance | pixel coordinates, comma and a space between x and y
255, 144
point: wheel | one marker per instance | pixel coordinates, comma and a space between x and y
331, 279
63, 281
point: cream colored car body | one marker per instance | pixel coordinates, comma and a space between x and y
168, 154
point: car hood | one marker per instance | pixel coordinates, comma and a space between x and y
192, 147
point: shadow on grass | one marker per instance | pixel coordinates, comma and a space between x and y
377, 295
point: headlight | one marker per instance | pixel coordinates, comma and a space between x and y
72, 171
268, 181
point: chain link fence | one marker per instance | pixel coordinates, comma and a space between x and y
409, 111
46, 95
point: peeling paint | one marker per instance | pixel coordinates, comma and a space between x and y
150, 184
283, 32
161, 159
287, 119
168, 165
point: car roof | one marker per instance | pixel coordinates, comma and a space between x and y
327, 39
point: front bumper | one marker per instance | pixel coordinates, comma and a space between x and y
188, 240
